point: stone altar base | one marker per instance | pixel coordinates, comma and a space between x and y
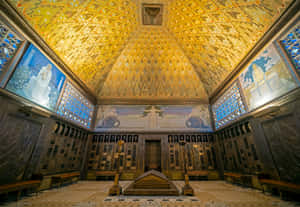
152, 183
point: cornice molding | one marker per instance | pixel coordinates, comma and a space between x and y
151, 101
147, 132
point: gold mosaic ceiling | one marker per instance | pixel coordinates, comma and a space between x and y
88, 35
216, 34
104, 44
152, 65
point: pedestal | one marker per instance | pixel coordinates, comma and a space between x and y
187, 189
116, 189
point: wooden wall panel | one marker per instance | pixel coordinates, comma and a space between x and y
32, 144
64, 149
200, 154
238, 149
282, 132
18, 140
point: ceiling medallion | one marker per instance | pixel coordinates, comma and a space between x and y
152, 14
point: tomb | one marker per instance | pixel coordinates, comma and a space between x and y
152, 183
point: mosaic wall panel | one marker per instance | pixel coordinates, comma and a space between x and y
291, 44
265, 78
153, 117
216, 35
153, 65
87, 35
229, 106
75, 106
37, 79
9, 44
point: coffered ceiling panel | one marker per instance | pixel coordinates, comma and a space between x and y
216, 34
88, 35
153, 66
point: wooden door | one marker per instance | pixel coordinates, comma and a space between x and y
153, 155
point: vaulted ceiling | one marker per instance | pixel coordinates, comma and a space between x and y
198, 45
152, 65
216, 34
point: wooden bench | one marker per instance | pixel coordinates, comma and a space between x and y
105, 175
238, 178
19, 186
198, 175
233, 177
65, 178
282, 186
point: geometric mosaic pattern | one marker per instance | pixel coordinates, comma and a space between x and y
291, 44
9, 44
86, 35
75, 106
228, 107
152, 65
207, 194
216, 35
89, 36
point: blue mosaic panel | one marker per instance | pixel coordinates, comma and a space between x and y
291, 44
37, 79
9, 44
75, 107
228, 107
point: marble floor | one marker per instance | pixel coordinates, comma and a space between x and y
207, 194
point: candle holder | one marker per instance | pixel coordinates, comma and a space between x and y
116, 189
186, 189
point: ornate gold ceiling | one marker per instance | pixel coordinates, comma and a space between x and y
216, 34
88, 35
199, 43
152, 65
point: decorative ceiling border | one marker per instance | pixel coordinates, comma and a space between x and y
151, 101
165, 132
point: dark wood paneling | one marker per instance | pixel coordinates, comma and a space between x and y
18, 141
282, 132
64, 149
200, 148
238, 149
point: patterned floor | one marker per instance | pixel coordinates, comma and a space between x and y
207, 194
